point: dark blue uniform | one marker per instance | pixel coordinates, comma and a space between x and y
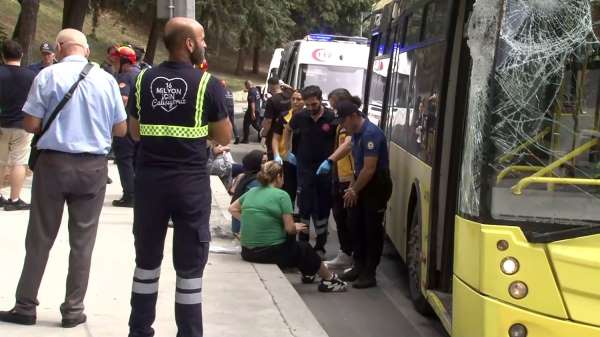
367, 230
174, 104
317, 139
124, 147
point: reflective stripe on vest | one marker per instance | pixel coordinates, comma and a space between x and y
176, 131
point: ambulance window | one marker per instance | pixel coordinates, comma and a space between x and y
413, 29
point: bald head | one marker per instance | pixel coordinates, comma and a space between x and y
71, 42
185, 36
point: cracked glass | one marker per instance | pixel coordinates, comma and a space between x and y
533, 124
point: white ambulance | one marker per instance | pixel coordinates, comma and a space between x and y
329, 61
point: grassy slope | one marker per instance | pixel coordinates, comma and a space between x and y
112, 28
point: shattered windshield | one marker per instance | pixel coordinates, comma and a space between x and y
532, 148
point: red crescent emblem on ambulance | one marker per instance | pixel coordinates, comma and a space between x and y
320, 55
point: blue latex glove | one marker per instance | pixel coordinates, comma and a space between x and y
291, 158
278, 159
325, 168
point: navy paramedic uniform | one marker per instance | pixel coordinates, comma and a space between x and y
367, 230
174, 103
125, 147
316, 144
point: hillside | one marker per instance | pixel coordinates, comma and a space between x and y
112, 28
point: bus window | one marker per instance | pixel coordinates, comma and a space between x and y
435, 20
413, 28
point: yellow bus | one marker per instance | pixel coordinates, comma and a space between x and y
492, 112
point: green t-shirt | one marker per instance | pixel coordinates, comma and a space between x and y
262, 216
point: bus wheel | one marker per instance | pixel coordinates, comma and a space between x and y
414, 266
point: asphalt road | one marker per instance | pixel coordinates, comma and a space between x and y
384, 311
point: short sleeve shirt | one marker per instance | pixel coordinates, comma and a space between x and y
262, 216
253, 97
317, 139
370, 141
126, 81
85, 124
278, 105
15, 83
169, 96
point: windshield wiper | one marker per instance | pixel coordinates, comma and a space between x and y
559, 235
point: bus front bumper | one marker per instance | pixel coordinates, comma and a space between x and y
476, 315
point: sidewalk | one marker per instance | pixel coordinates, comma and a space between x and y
240, 299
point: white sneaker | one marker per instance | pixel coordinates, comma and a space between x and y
342, 260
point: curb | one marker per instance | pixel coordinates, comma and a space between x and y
294, 312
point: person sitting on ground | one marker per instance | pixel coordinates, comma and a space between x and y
252, 163
269, 230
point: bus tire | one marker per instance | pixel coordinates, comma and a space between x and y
414, 266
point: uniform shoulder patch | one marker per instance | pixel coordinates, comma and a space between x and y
370, 145
122, 85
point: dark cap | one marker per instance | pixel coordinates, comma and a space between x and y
46, 47
345, 109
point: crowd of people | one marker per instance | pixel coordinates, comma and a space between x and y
169, 127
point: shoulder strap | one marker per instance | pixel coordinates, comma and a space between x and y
86, 70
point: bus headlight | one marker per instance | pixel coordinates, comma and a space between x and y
518, 290
517, 330
509, 266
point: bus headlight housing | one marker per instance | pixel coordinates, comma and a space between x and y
518, 290
509, 265
517, 330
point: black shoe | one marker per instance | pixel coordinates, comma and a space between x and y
237, 141
18, 205
124, 202
335, 285
2, 201
364, 282
350, 274
308, 279
13, 317
73, 322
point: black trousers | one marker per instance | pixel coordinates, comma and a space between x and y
290, 180
291, 254
231, 113
124, 149
369, 234
186, 199
342, 217
314, 202
367, 225
248, 121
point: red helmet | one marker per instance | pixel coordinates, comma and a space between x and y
127, 54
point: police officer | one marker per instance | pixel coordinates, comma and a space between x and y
369, 193
175, 109
229, 100
48, 58
316, 133
124, 147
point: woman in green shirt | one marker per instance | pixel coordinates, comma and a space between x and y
269, 231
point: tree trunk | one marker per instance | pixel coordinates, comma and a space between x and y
239, 68
256, 60
26, 26
74, 13
96, 11
155, 33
